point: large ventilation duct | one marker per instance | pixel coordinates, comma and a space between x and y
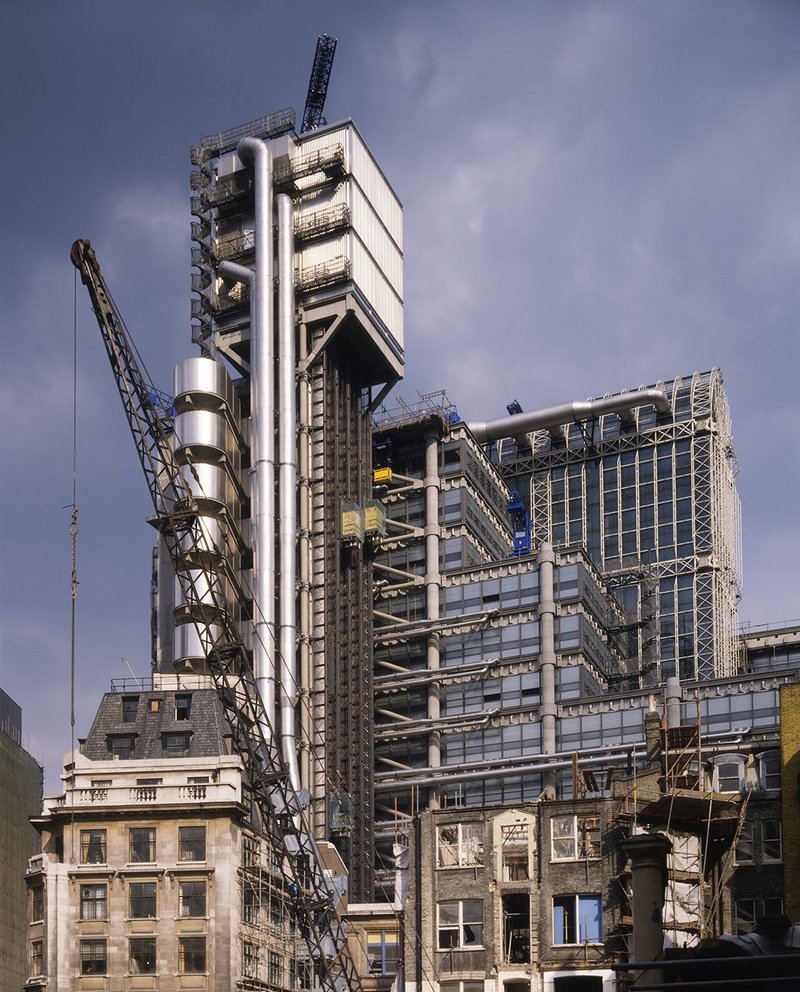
287, 485
553, 417
262, 411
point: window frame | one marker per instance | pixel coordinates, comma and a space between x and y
37, 903
37, 958
186, 961
575, 898
185, 851
142, 898
88, 844
770, 859
467, 845
144, 843
153, 954
99, 903
187, 902
383, 948
578, 837
92, 962
458, 927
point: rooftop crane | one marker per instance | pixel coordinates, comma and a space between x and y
273, 803
318, 84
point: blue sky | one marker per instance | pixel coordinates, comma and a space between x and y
597, 196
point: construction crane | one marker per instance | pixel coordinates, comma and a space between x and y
273, 803
318, 84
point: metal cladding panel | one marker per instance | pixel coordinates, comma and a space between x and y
374, 236
202, 375
202, 428
191, 643
321, 198
377, 290
208, 482
376, 189
323, 252
360, 163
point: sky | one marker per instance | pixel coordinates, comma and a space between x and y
597, 195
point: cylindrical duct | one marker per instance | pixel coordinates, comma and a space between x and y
547, 662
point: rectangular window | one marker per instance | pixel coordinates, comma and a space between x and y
176, 745
183, 706
142, 900
142, 845
576, 919
121, 746
191, 955
191, 844
772, 844
459, 845
514, 839
744, 844
745, 915
460, 923
382, 952
130, 707
37, 958
249, 960
93, 847
94, 902
769, 771
37, 903
275, 969
192, 898
142, 955
574, 836
93, 957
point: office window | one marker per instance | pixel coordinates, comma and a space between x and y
176, 745
192, 898
576, 919
142, 904
142, 955
382, 952
459, 845
769, 771
191, 844
574, 836
37, 958
37, 903
249, 960
93, 847
183, 706
94, 902
460, 923
744, 844
130, 707
121, 746
191, 955
93, 957
771, 840
142, 844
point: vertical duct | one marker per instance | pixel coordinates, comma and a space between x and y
304, 549
287, 484
673, 707
648, 856
262, 412
432, 585
547, 662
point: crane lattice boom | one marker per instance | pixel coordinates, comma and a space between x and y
318, 83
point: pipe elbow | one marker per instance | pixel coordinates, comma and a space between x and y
249, 149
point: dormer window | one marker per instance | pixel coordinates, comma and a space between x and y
130, 707
183, 706
121, 745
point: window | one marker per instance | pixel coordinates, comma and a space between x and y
574, 836
460, 923
93, 957
191, 844
183, 707
382, 952
459, 845
250, 849
769, 771
37, 903
130, 707
191, 955
142, 844
249, 960
142, 955
154, 705
176, 745
728, 773
514, 840
192, 898
771, 841
142, 900
275, 969
121, 746
94, 902
744, 845
93, 847
576, 919
37, 957
474, 986
750, 911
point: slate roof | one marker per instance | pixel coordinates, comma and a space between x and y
205, 725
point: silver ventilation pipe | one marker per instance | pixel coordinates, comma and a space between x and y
262, 419
552, 417
287, 485
547, 663
433, 580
